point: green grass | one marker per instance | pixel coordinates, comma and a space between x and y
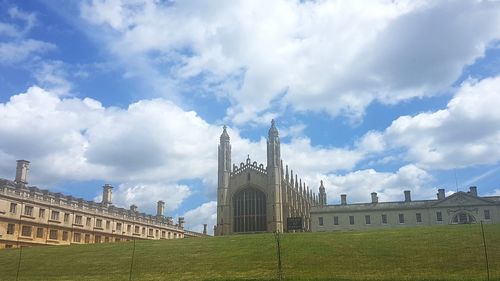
427, 253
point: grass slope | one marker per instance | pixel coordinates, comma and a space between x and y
437, 253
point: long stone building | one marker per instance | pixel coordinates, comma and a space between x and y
32, 216
255, 198
458, 208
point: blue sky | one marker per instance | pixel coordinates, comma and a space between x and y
368, 96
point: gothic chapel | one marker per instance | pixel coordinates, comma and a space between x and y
255, 198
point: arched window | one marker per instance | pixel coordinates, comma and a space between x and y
463, 218
249, 207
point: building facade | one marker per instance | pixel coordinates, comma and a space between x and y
254, 198
32, 216
458, 208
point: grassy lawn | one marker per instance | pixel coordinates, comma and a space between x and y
425, 253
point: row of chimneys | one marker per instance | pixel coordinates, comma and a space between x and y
22, 178
440, 195
160, 205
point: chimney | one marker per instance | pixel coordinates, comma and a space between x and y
106, 194
407, 196
473, 190
205, 228
374, 198
343, 199
181, 221
133, 208
440, 194
22, 171
160, 208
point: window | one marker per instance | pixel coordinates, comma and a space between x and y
351, 219
129, 228
97, 239
10, 228
98, 223
108, 224
28, 211
54, 215
335, 220
13, 208
78, 219
487, 215
26, 231
41, 213
163, 233
66, 217
137, 229
65, 236
320, 220
8, 246
401, 218
89, 221
87, 238
53, 234
143, 231
249, 210
118, 226
76, 237
150, 232
368, 219
39, 232
384, 219
106, 239
439, 216
418, 217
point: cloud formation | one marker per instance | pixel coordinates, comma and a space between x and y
15, 44
330, 56
465, 133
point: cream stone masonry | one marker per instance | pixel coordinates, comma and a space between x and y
32, 216
458, 208
255, 198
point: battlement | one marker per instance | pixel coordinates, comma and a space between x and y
249, 165
42, 196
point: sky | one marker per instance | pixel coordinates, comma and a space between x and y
368, 96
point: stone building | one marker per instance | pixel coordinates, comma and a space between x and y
32, 216
458, 208
255, 198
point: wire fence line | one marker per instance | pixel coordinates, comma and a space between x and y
284, 258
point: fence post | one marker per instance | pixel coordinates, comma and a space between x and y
19, 262
132, 263
278, 251
485, 253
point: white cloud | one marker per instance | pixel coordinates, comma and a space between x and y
205, 213
146, 196
51, 75
19, 50
330, 56
465, 133
148, 147
15, 46
358, 185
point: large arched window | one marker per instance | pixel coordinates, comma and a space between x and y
249, 207
463, 218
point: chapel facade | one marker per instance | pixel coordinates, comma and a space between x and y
253, 198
